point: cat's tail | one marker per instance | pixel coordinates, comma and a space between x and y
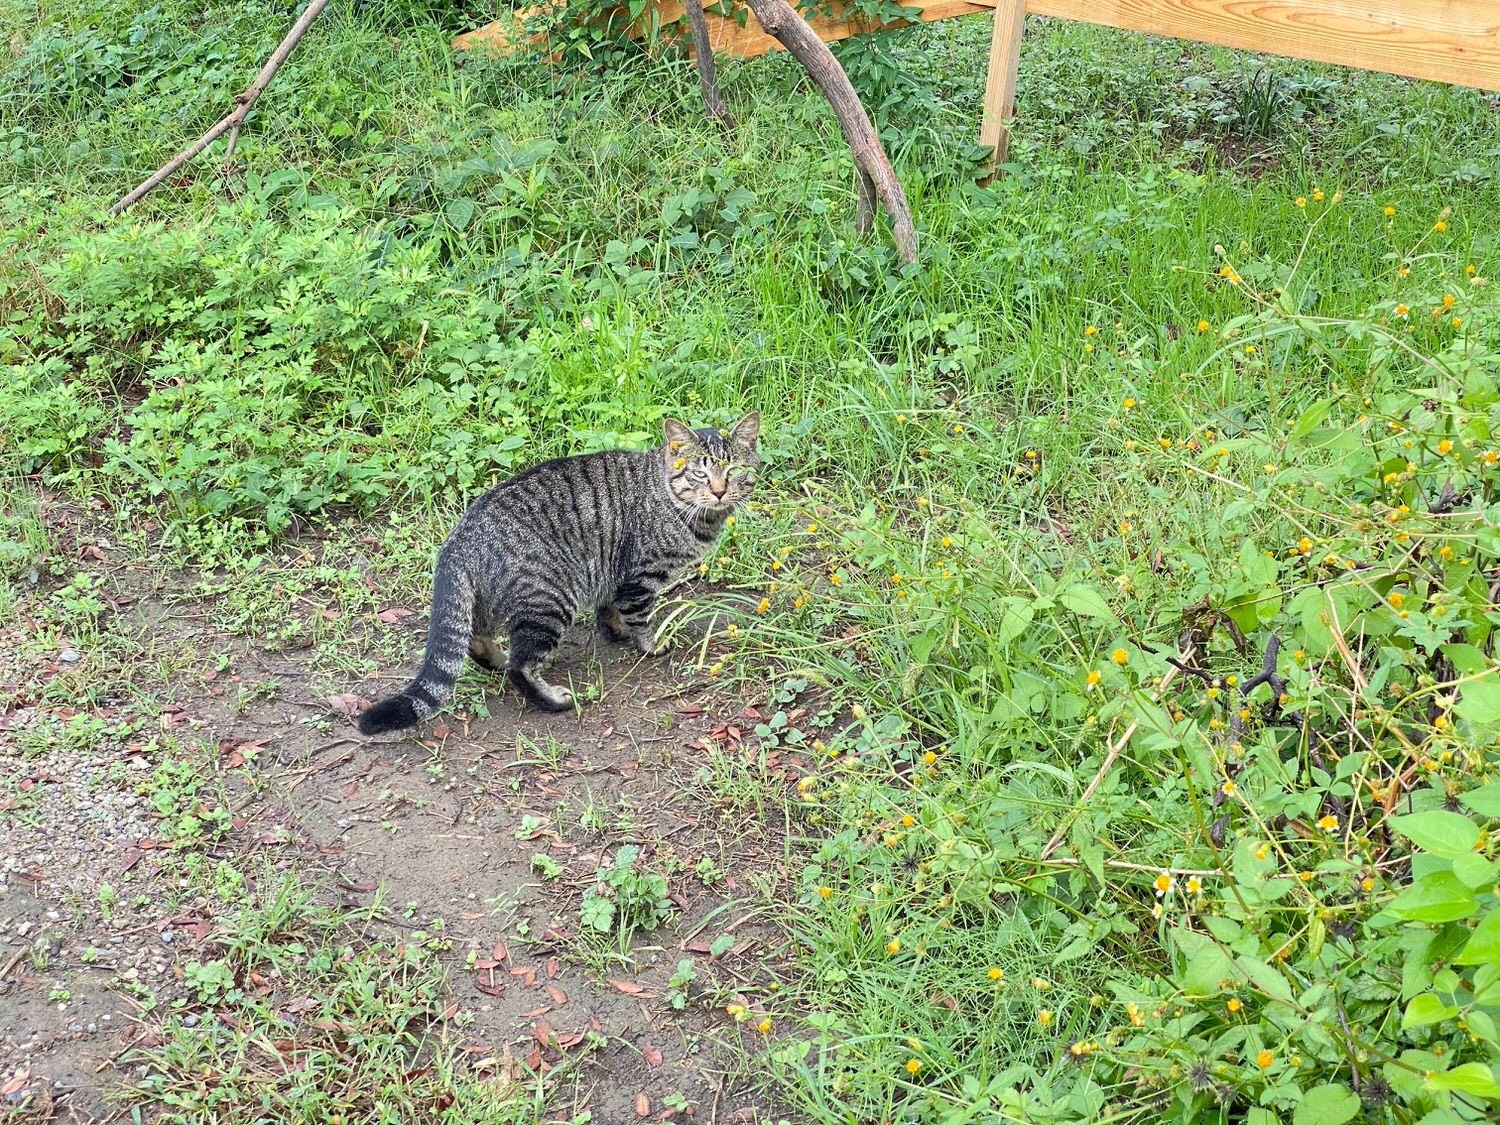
447, 645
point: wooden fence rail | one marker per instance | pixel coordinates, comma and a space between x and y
1454, 41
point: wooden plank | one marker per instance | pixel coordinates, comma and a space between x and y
1453, 41
750, 41
1000, 84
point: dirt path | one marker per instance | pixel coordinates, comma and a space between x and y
215, 758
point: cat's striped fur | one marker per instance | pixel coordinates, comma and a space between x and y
604, 531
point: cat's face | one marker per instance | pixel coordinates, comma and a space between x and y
711, 470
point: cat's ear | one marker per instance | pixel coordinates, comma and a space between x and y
747, 429
678, 436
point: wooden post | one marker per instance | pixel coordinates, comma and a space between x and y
1000, 86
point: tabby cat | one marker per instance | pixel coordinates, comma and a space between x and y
603, 531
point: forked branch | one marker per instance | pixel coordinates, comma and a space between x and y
232, 121
877, 179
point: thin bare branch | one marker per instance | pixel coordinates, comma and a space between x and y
232, 122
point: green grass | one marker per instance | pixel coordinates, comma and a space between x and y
436, 270
328, 1026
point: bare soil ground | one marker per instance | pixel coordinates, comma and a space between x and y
201, 741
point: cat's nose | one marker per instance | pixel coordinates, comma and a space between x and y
718, 489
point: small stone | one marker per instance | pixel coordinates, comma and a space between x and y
69, 656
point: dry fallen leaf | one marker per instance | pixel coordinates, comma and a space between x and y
642, 1105
393, 615
652, 1056
628, 987
542, 1032
345, 704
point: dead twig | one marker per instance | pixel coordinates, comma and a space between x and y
13, 962
231, 122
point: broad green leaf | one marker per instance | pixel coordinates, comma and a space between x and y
1311, 419
1470, 1078
1466, 659
1256, 566
1442, 1116
1264, 977
1086, 601
1442, 833
460, 212
1015, 617
1487, 985
1483, 946
1473, 870
1206, 966
1426, 1009
1483, 1025
1484, 800
1434, 898
1328, 1104
1479, 701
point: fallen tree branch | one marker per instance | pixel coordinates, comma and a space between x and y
232, 122
703, 56
877, 179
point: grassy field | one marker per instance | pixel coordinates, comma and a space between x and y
1092, 719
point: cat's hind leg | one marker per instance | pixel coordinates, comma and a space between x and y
633, 604
611, 624
532, 643
485, 652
